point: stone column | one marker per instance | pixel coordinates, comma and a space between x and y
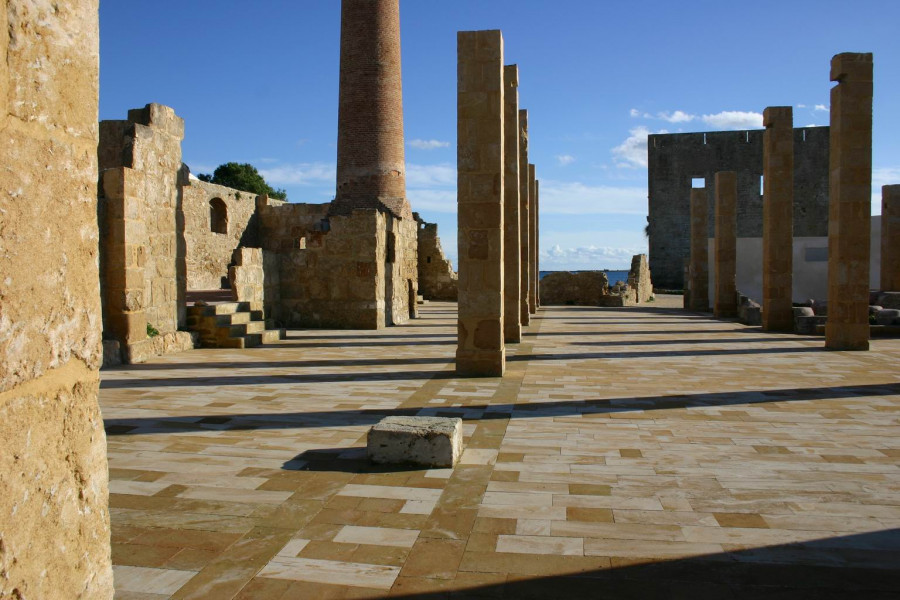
537, 243
512, 269
778, 208
480, 169
726, 244
532, 243
849, 204
890, 238
524, 218
370, 158
699, 265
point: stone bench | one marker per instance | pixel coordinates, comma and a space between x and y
427, 441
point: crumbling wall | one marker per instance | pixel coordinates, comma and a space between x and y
54, 520
581, 288
639, 278
209, 248
675, 159
437, 279
143, 275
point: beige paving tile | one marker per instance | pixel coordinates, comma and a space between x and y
379, 536
153, 581
329, 571
540, 544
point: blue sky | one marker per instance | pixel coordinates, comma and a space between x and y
258, 82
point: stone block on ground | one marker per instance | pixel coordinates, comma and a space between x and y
427, 441
888, 316
889, 299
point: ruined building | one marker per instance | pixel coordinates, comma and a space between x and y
437, 280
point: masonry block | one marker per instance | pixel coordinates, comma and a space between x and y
725, 305
427, 441
778, 202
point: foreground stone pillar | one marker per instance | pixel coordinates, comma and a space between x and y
849, 204
699, 269
890, 238
532, 242
524, 219
480, 193
54, 494
778, 208
512, 269
725, 305
370, 157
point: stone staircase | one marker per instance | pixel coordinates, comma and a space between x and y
231, 325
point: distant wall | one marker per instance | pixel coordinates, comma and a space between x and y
437, 279
54, 515
675, 159
210, 248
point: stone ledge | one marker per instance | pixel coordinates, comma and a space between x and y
428, 441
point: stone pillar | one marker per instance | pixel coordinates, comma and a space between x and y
537, 243
778, 208
524, 218
532, 243
512, 269
726, 245
849, 204
890, 238
480, 169
54, 493
699, 264
370, 159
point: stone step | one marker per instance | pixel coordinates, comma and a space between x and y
242, 329
234, 319
270, 336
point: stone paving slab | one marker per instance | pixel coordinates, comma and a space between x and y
628, 452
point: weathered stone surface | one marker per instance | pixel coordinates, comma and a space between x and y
726, 245
888, 316
512, 327
639, 278
480, 169
54, 517
533, 274
889, 299
428, 441
809, 325
778, 201
698, 283
890, 237
247, 276
437, 279
675, 159
849, 206
582, 288
524, 220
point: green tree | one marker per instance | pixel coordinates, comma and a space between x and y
244, 177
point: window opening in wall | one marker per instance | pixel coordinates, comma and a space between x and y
218, 216
761, 185
390, 251
747, 136
704, 139
698, 182
804, 135
428, 260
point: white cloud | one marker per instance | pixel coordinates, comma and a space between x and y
558, 258
801, 106
676, 117
431, 188
575, 198
441, 201
633, 151
300, 174
565, 159
734, 119
428, 144
440, 175
821, 107
634, 112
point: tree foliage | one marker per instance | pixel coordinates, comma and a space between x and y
244, 177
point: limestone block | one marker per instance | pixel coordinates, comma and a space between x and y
803, 311
889, 299
888, 316
428, 441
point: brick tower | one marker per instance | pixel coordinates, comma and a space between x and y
370, 159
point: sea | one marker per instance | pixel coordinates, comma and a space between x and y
611, 274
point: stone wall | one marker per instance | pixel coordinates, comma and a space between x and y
209, 252
54, 520
142, 254
582, 288
675, 159
246, 276
639, 278
437, 279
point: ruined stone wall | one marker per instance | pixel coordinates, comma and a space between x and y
437, 279
581, 288
143, 273
209, 252
639, 278
54, 520
675, 159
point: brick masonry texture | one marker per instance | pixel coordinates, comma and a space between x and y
54, 516
675, 159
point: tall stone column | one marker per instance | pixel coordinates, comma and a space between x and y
726, 245
537, 243
890, 238
512, 269
524, 218
370, 159
532, 243
480, 170
849, 210
699, 265
778, 208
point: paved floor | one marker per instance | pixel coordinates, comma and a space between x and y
628, 453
